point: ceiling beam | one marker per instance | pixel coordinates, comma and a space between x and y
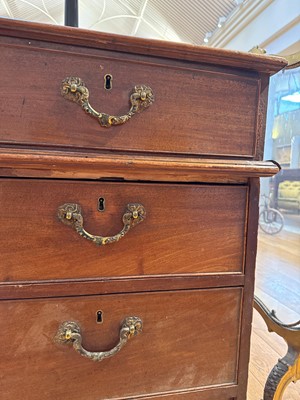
242, 17
140, 18
7, 8
260, 23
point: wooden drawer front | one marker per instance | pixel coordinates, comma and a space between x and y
193, 104
188, 229
190, 339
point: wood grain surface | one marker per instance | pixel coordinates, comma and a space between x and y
189, 341
35, 113
78, 165
188, 229
125, 44
247, 303
55, 288
192, 159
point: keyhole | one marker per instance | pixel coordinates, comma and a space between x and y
108, 81
101, 204
99, 317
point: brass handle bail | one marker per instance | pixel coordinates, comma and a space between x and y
70, 214
74, 89
69, 332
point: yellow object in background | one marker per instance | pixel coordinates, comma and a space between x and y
276, 128
289, 195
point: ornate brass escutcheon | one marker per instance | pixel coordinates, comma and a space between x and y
70, 214
74, 89
69, 332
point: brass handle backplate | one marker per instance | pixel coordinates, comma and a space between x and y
69, 332
74, 89
70, 214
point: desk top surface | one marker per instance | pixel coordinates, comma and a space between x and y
157, 48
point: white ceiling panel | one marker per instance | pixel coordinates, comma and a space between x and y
174, 20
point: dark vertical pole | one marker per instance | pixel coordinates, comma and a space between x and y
71, 13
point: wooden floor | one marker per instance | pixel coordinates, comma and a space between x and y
278, 286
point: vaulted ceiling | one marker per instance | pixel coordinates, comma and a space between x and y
175, 20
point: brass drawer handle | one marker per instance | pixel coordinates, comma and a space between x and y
74, 89
70, 214
69, 332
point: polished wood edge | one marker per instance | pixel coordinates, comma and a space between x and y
247, 299
39, 289
261, 116
83, 37
214, 393
127, 167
